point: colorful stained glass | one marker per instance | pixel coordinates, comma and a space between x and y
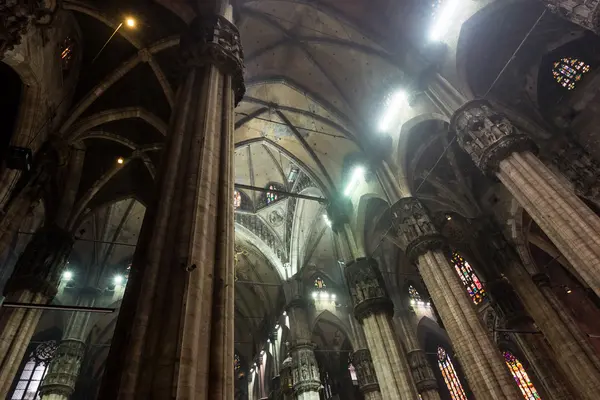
237, 199
413, 294
271, 197
469, 278
568, 71
320, 284
67, 53
450, 377
521, 377
237, 364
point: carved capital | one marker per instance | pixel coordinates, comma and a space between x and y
213, 40
414, 228
41, 265
421, 371
305, 370
64, 369
581, 12
17, 15
365, 371
367, 288
487, 135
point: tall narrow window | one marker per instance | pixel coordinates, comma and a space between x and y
568, 71
413, 294
67, 54
293, 175
271, 197
352, 371
28, 386
521, 377
236, 362
237, 199
469, 278
320, 284
450, 377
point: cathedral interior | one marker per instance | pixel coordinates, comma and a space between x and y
299, 199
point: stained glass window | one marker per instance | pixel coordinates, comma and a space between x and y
236, 362
237, 199
320, 284
568, 71
34, 371
271, 197
67, 53
413, 294
469, 278
450, 377
521, 377
353, 375
435, 7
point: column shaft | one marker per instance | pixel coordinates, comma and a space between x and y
174, 336
485, 369
500, 150
373, 308
419, 366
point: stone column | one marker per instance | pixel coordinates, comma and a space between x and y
363, 364
365, 372
35, 280
63, 371
581, 12
287, 380
374, 309
500, 150
483, 364
305, 371
174, 337
540, 356
419, 366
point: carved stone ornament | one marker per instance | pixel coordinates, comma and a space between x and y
15, 17
305, 369
421, 371
213, 40
581, 12
486, 135
64, 369
365, 371
414, 228
367, 288
40, 266
338, 212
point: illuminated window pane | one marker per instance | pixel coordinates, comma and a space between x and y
67, 54
271, 197
237, 199
353, 375
450, 377
521, 377
413, 294
320, 284
236, 362
34, 372
568, 71
469, 278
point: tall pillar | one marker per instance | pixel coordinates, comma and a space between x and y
174, 337
581, 12
374, 309
419, 366
484, 367
540, 356
363, 364
287, 380
499, 150
305, 370
35, 280
63, 371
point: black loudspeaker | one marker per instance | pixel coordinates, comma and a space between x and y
20, 158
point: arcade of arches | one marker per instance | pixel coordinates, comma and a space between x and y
300, 199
